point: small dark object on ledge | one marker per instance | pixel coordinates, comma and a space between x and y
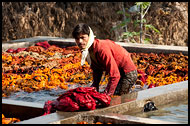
149, 106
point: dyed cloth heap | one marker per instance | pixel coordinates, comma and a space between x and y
44, 44
78, 99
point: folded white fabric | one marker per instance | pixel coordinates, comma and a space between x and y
85, 52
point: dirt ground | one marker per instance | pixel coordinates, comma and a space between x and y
29, 19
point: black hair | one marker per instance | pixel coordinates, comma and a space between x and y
81, 29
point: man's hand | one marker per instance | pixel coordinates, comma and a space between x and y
97, 87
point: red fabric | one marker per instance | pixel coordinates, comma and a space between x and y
81, 98
67, 104
10, 50
44, 44
85, 90
16, 51
151, 85
66, 94
85, 101
143, 76
112, 58
20, 49
48, 107
102, 99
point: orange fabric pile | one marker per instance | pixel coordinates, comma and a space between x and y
39, 68
9, 120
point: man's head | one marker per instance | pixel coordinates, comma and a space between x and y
81, 34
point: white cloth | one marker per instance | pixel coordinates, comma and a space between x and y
85, 52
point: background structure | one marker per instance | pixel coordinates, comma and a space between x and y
29, 19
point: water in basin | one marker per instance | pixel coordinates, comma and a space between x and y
174, 112
44, 95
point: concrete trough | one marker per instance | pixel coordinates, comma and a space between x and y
30, 113
110, 118
20, 109
162, 95
24, 43
64, 42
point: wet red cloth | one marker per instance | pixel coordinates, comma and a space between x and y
103, 100
85, 101
81, 98
49, 107
112, 58
44, 44
67, 104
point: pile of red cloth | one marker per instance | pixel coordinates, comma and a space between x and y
16, 51
78, 99
44, 44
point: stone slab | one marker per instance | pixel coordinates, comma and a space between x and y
110, 118
131, 47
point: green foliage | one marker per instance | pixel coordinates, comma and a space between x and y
121, 12
147, 41
144, 5
130, 34
122, 24
149, 26
136, 23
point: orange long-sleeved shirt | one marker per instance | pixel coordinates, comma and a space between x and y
110, 57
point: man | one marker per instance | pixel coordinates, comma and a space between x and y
106, 55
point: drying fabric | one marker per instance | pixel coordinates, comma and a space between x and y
10, 50
44, 44
19, 50
16, 51
78, 99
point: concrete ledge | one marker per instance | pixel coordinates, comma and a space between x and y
35, 38
52, 118
20, 109
127, 119
159, 95
151, 92
148, 48
63, 42
47, 119
110, 118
